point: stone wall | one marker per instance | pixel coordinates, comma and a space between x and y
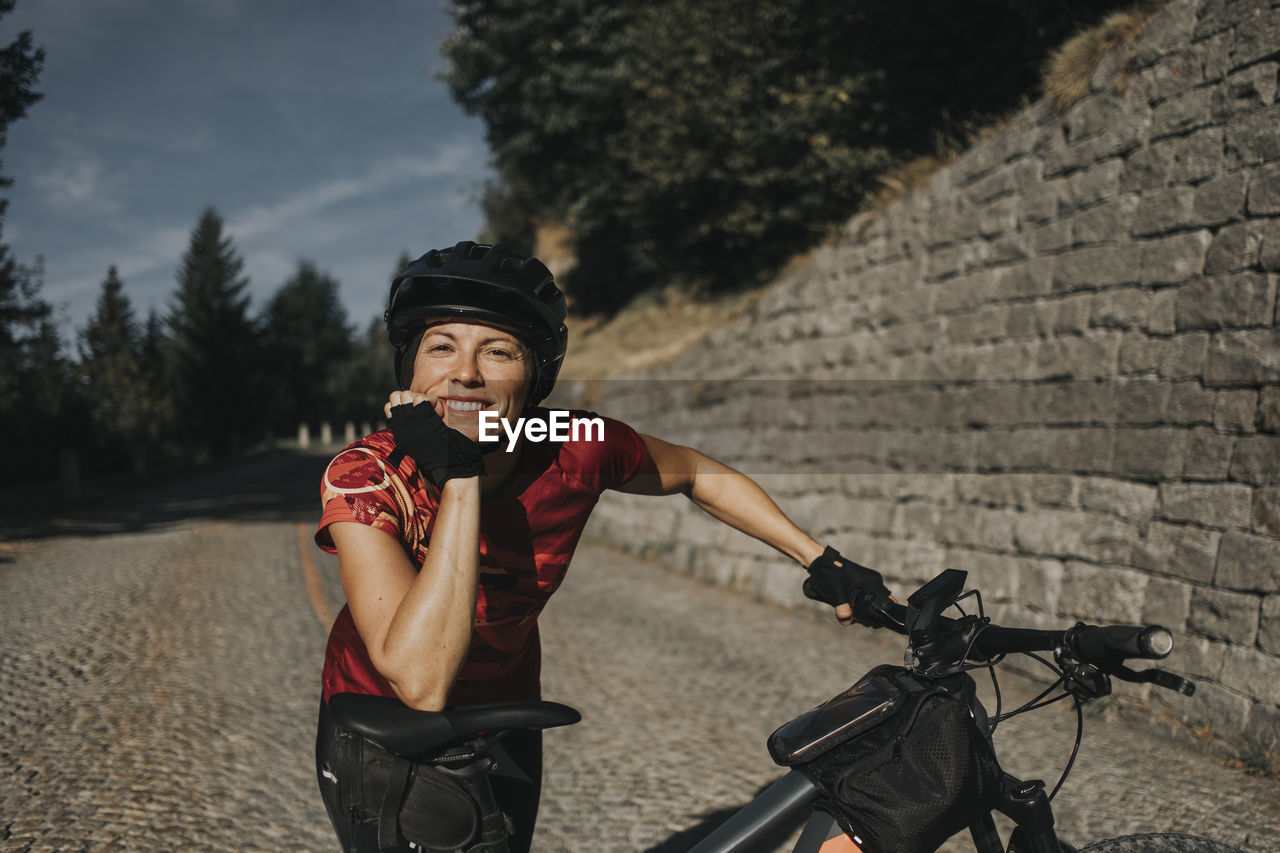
1057, 367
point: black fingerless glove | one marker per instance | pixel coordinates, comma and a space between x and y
835, 580
441, 453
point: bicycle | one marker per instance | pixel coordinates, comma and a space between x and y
941, 651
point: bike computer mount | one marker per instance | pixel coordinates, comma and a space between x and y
929, 646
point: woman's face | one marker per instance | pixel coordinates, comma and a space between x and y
465, 368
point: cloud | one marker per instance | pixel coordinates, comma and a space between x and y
77, 183
261, 220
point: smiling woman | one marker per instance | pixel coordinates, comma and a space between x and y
449, 547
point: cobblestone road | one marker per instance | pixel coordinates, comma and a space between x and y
159, 668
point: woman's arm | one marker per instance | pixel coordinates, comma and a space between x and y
729, 495
416, 626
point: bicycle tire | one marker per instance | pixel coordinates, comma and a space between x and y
1159, 842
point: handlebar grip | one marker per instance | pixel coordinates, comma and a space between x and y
1096, 643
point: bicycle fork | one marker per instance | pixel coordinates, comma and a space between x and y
1027, 805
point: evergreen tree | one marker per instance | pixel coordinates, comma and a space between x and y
308, 345
31, 364
119, 400
213, 354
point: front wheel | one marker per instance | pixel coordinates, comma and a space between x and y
1160, 842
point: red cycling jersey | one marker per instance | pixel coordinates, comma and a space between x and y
528, 532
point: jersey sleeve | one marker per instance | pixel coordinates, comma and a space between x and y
361, 485
607, 452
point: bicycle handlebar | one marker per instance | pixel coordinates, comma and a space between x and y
1106, 646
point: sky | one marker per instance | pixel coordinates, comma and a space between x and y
318, 130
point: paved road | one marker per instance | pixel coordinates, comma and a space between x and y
158, 665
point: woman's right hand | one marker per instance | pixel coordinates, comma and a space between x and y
441, 453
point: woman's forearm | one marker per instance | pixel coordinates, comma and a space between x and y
430, 634
738, 501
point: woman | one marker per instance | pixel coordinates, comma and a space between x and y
449, 546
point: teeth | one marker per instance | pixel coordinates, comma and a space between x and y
460, 406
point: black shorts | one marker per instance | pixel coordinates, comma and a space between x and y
516, 781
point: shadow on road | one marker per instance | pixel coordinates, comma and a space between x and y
686, 838
277, 485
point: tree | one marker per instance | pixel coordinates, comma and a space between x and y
308, 345
213, 354
31, 364
708, 141
120, 402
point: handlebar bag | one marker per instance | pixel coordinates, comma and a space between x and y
916, 776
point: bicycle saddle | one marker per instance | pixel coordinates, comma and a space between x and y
413, 734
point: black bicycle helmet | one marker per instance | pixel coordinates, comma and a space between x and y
482, 282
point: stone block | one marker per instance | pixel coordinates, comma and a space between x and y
1263, 729
1000, 183
1072, 314
1193, 158
1102, 593
1269, 255
1173, 260
1223, 615
1266, 510
1168, 603
1244, 357
1236, 411
1182, 113
1249, 562
1162, 318
1142, 402
1252, 139
1168, 74
1217, 56
1105, 223
1264, 191
1219, 200
1078, 535
1224, 711
1252, 672
1196, 657
1178, 550
1126, 308
1169, 29
1033, 278
1092, 187
1246, 90
1223, 505
1235, 247
1164, 209
1269, 409
1227, 300
1128, 500
1256, 460
1141, 355
1257, 37
1094, 267
1215, 16
1150, 454
1269, 626
1189, 404
1208, 455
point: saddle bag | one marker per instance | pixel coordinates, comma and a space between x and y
899, 759
433, 806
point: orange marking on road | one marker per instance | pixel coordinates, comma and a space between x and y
315, 589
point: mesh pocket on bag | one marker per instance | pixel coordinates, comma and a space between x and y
912, 782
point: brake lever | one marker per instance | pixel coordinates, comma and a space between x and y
1158, 677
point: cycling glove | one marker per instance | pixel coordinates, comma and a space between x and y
441, 453
836, 580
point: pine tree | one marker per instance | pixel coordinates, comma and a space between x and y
213, 353
119, 401
31, 365
308, 345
